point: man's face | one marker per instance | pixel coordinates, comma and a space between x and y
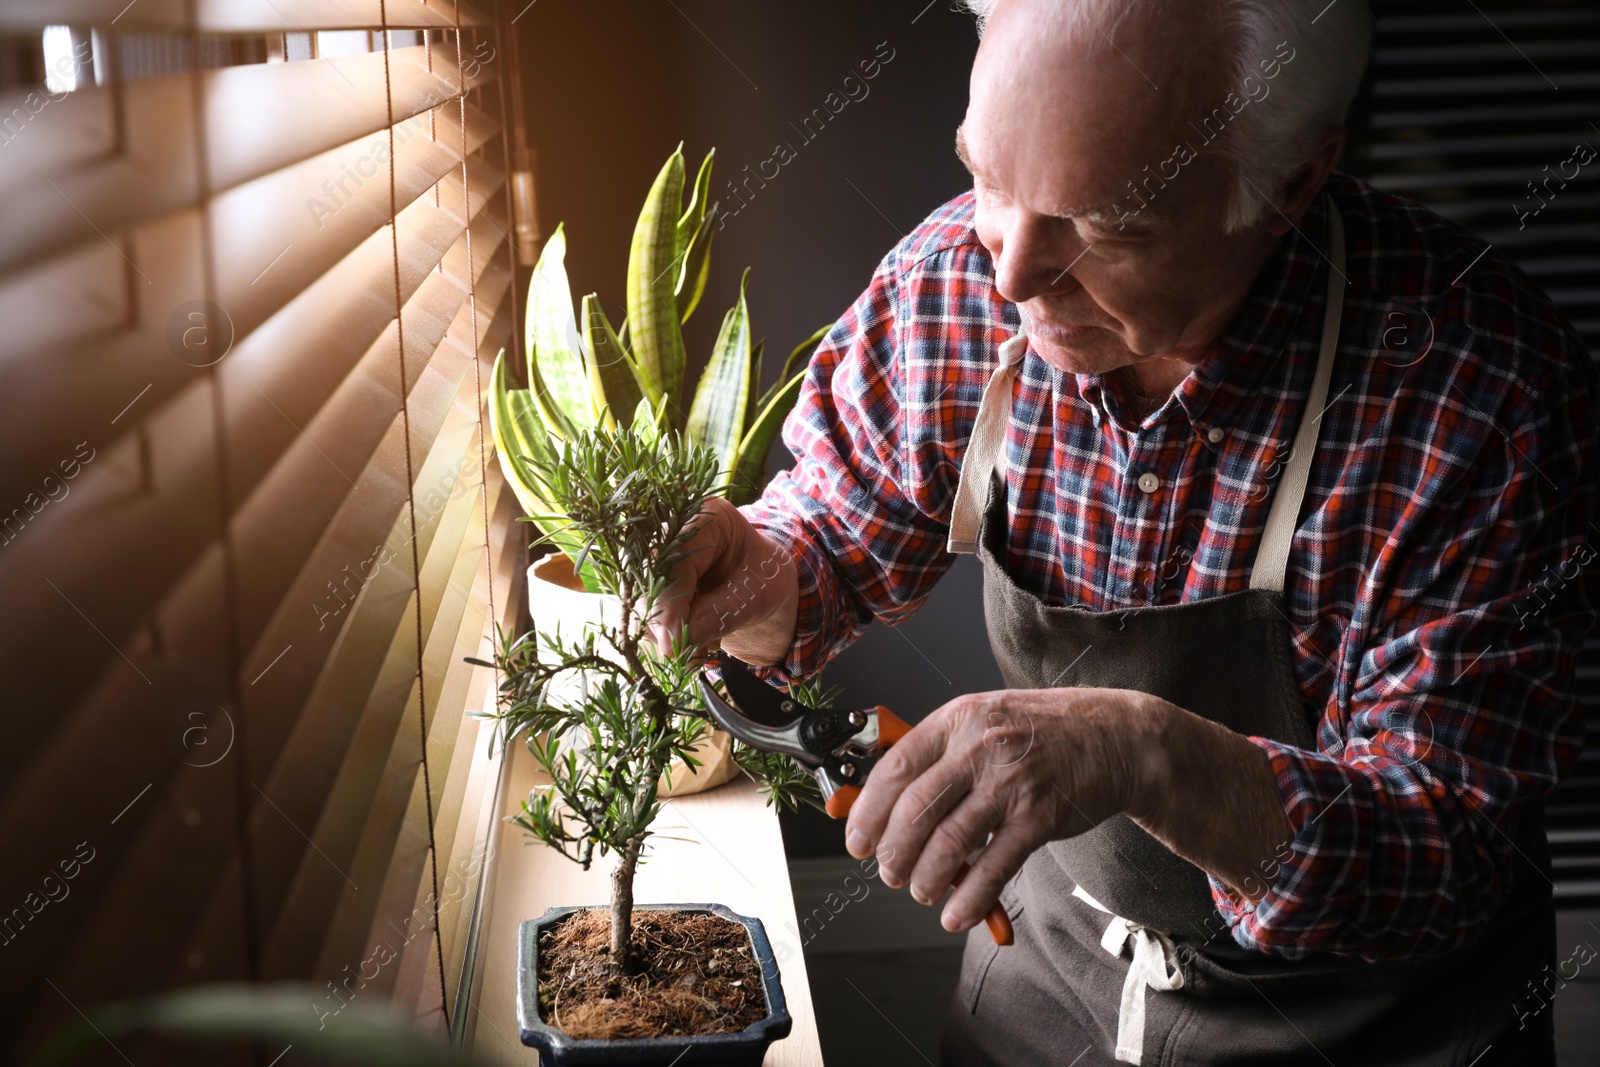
1056, 130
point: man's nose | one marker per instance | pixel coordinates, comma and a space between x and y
1037, 256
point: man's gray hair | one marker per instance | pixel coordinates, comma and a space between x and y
1268, 140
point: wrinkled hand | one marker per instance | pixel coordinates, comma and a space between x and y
735, 586
1029, 766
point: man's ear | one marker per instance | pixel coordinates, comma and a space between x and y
1304, 185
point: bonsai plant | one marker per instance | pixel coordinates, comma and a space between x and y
627, 495
598, 376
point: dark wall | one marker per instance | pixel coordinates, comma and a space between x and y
610, 86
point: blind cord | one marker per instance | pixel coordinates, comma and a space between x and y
411, 506
477, 363
224, 488
466, 985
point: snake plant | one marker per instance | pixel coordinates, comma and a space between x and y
583, 373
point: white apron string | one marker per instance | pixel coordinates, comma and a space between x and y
1154, 966
1272, 558
985, 448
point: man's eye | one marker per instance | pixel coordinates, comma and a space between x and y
1108, 235
991, 194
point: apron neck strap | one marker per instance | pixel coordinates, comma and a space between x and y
985, 448
1272, 558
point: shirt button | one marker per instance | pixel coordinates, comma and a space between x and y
1149, 482
1215, 435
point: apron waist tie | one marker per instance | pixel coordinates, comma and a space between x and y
1154, 966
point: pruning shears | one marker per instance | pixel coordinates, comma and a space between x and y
838, 747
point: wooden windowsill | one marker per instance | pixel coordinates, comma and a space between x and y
719, 847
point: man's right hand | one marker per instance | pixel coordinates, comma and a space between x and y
734, 587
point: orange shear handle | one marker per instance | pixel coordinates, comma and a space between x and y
891, 727
998, 922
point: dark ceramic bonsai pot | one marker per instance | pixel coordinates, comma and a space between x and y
747, 1048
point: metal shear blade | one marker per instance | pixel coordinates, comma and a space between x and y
760, 715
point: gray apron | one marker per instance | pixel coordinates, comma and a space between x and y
1120, 955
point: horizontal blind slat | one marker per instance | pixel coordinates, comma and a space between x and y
251, 224
243, 16
326, 102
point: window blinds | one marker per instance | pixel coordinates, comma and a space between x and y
255, 261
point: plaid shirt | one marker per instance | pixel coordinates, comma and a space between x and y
1432, 595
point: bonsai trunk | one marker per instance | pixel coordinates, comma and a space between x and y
628, 860
622, 907
622, 878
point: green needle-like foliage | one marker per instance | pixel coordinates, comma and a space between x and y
606, 711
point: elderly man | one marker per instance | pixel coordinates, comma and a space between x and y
1278, 484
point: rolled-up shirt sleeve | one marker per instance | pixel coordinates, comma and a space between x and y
1459, 707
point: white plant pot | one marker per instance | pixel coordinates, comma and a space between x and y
557, 599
